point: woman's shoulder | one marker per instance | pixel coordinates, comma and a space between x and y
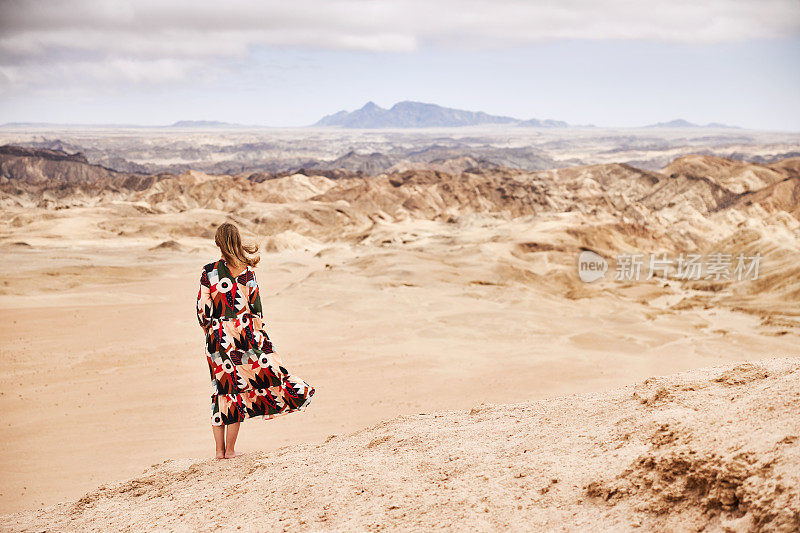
210, 266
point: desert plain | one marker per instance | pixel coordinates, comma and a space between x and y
435, 305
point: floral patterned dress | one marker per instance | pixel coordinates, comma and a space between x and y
247, 376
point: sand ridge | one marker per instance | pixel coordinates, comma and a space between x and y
713, 448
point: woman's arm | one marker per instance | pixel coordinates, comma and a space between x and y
205, 305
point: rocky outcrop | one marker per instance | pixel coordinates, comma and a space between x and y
39, 165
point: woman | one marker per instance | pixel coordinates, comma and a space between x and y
247, 376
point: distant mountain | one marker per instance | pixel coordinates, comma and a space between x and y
28, 124
536, 123
66, 125
409, 114
179, 124
201, 124
681, 123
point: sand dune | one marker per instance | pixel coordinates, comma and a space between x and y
711, 449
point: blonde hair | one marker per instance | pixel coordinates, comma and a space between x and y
230, 244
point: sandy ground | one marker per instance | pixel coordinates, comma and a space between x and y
396, 295
712, 450
104, 371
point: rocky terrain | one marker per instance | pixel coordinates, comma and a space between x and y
232, 149
695, 204
714, 449
432, 286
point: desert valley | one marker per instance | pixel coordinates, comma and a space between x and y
426, 282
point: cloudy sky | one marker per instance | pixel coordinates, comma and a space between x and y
287, 63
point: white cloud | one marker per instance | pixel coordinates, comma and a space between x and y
151, 41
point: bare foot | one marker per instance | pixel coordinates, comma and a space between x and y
230, 454
221, 454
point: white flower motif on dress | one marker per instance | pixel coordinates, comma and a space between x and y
224, 286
